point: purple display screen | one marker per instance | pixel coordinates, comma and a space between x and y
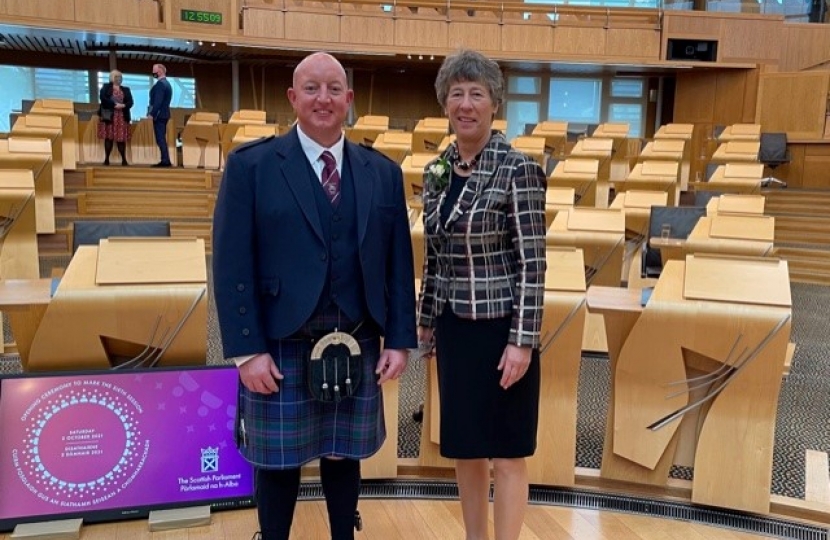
118, 442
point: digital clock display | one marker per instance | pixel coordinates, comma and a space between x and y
202, 17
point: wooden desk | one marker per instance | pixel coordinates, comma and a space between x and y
555, 135
413, 177
664, 150
636, 206
675, 131
130, 298
532, 146
18, 238
563, 325
580, 175
200, 141
446, 142
557, 199
367, 129
50, 128
36, 156
428, 134
617, 131
600, 234
394, 144
65, 109
737, 151
733, 234
599, 149
654, 176
741, 132
730, 203
251, 132
702, 314
740, 178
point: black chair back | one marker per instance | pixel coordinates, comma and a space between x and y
91, 232
773, 150
680, 219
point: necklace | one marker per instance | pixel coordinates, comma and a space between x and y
466, 165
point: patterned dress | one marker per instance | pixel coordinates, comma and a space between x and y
118, 130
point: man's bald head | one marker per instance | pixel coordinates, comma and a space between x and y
315, 60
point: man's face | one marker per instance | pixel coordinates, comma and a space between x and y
321, 98
156, 72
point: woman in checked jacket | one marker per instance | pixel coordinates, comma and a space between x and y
482, 296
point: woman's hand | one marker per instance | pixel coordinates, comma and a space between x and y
426, 341
119, 105
260, 374
513, 365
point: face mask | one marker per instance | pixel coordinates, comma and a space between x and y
155, 75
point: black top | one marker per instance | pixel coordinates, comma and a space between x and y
454, 191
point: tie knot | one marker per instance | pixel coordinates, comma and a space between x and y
328, 159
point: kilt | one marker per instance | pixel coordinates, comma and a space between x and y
289, 428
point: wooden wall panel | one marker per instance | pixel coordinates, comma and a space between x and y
526, 37
367, 30
632, 43
263, 23
695, 97
316, 27
805, 46
118, 13
690, 24
59, 10
217, 6
476, 36
795, 103
576, 41
421, 33
730, 94
750, 40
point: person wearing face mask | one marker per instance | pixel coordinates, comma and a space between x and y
311, 243
114, 116
482, 295
161, 94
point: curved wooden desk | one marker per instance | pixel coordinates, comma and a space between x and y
35, 155
696, 376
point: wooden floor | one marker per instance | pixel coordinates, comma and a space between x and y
432, 520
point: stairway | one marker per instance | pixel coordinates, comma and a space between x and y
802, 232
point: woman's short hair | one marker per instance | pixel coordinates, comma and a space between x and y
115, 73
469, 66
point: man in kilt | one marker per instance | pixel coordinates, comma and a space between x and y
311, 236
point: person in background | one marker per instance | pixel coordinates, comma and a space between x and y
161, 94
482, 295
115, 101
311, 236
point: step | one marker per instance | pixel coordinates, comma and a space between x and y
146, 204
144, 178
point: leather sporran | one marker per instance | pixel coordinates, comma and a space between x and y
334, 368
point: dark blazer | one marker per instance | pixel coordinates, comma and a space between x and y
105, 99
269, 251
161, 94
488, 259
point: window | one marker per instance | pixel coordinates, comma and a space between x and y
519, 114
26, 83
632, 114
524, 85
575, 100
627, 88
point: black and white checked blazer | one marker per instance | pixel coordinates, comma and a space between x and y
488, 259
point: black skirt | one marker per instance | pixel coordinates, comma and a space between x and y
479, 419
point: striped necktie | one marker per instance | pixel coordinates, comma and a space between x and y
331, 178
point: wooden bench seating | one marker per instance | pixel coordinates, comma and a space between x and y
146, 204
151, 179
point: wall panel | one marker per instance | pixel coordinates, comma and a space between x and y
367, 30
263, 23
476, 36
805, 46
527, 38
59, 10
576, 41
423, 33
632, 43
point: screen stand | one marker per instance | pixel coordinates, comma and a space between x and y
65, 529
179, 518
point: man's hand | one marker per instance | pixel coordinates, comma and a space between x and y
513, 365
260, 374
391, 364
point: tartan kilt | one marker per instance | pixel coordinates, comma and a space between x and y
289, 428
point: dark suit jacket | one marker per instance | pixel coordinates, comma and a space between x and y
269, 253
161, 94
105, 98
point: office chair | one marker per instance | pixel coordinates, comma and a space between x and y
681, 219
702, 198
529, 129
773, 153
91, 232
550, 166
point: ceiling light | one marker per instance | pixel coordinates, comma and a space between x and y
200, 43
420, 57
409, 57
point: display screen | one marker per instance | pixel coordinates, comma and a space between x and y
198, 16
118, 444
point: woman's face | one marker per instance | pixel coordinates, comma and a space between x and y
116, 79
470, 110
